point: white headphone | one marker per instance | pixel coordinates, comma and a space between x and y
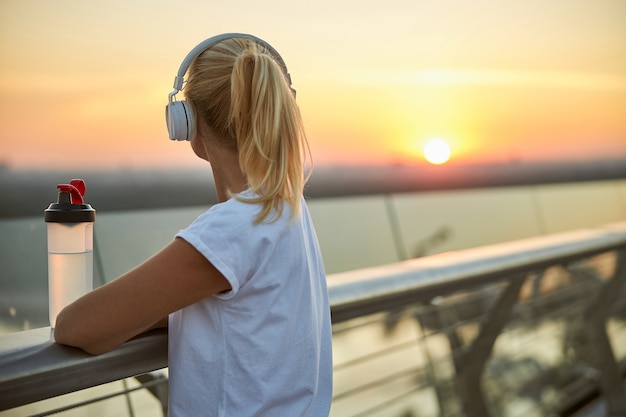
179, 116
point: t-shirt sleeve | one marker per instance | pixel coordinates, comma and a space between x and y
222, 236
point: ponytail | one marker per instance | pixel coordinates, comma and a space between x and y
260, 117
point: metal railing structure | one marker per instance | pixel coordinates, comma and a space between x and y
528, 328
525, 328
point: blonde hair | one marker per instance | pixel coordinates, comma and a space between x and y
242, 93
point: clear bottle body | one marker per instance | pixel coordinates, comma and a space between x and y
70, 264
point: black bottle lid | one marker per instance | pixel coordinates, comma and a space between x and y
70, 207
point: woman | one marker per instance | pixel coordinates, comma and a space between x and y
243, 288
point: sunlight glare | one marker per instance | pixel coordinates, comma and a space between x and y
437, 151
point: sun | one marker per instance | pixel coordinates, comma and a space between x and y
437, 151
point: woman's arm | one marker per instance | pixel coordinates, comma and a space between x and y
139, 300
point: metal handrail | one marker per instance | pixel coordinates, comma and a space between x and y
365, 291
33, 367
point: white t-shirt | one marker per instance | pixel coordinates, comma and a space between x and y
263, 348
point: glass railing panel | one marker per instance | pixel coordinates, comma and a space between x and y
24, 276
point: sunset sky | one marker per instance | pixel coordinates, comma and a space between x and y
84, 83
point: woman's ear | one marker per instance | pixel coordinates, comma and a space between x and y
197, 144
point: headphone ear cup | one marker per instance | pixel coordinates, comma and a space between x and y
180, 120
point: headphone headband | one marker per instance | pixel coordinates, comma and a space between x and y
209, 43
179, 115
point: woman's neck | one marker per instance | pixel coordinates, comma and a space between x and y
228, 176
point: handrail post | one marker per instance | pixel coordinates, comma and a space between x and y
471, 364
610, 379
159, 391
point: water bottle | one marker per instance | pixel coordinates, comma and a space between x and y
70, 247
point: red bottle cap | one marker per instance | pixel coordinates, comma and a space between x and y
76, 188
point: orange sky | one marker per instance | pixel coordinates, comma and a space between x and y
85, 84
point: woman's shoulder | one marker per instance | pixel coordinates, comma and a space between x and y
238, 213
236, 207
